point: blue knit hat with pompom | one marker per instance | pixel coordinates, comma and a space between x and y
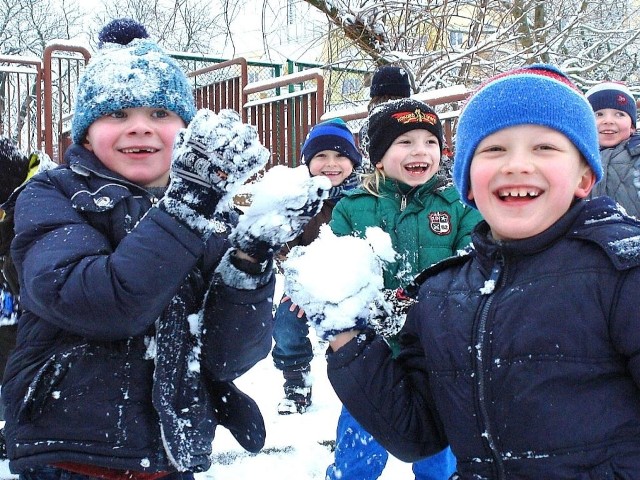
129, 71
333, 135
537, 94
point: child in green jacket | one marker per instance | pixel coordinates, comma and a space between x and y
427, 222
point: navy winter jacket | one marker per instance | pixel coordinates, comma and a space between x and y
523, 355
99, 268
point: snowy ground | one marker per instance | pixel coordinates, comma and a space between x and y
293, 449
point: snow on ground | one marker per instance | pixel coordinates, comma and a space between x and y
293, 449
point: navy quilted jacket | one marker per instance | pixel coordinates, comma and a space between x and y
98, 268
524, 356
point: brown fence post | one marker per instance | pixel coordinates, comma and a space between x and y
68, 68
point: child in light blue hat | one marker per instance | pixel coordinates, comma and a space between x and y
134, 283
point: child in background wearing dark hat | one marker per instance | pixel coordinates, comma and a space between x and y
132, 293
427, 222
524, 353
389, 82
329, 150
616, 114
16, 167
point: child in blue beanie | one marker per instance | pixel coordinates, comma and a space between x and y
133, 283
522, 353
616, 113
330, 151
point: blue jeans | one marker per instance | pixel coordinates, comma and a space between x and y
358, 456
292, 347
52, 473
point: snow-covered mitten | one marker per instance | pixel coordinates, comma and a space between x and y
211, 159
283, 202
240, 414
338, 280
391, 315
14, 165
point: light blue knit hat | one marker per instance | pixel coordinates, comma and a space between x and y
536, 94
128, 71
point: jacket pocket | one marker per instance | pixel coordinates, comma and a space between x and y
43, 386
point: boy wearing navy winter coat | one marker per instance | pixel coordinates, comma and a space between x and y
142, 299
523, 354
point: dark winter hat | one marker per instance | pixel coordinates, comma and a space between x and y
333, 135
129, 71
613, 95
391, 119
14, 165
537, 95
391, 81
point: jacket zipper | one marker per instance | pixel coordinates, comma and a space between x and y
498, 273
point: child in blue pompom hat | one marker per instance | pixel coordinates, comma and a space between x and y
522, 353
134, 280
616, 113
330, 151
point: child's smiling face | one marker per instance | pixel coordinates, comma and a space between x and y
137, 143
413, 157
614, 126
331, 164
524, 178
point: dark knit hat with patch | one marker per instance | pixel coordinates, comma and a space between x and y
129, 71
391, 119
613, 95
537, 94
390, 81
333, 135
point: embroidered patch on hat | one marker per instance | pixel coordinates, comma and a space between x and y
621, 99
440, 223
417, 116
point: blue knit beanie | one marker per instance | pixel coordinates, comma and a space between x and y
391, 81
613, 95
333, 135
128, 71
537, 95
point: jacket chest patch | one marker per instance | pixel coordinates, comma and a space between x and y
440, 223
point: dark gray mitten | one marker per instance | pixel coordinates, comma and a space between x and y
240, 414
282, 203
212, 158
390, 315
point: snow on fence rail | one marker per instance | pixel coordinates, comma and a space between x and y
37, 99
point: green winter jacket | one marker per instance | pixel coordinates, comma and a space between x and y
434, 225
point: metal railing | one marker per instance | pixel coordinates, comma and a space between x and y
37, 99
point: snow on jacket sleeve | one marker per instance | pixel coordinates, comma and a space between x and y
73, 277
387, 396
